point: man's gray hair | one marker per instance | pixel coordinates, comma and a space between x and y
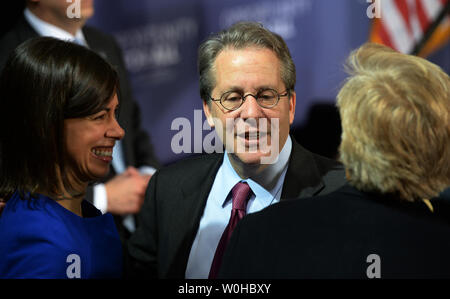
238, 36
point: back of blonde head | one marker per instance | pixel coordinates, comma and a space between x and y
395, 112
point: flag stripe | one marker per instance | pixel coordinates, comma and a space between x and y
395, 26
404, 10
423, 19
414, 20
404, 23
384, 35
432, 8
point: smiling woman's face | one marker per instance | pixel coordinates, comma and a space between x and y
90, 141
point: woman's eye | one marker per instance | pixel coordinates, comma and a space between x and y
100, 116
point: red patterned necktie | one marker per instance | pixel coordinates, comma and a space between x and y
240, 193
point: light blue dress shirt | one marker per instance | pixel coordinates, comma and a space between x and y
46, 29
266, 191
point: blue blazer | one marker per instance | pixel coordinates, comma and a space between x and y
42, 239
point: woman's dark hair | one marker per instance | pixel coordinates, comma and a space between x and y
44, 82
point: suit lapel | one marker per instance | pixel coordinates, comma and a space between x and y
303, 178
24, 30
93, 43
194, 191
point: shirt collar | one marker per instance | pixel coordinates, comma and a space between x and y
266, 185
46, 29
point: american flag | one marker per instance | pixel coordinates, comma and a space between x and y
412, 26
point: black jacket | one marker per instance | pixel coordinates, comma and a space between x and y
176, 198
345, 234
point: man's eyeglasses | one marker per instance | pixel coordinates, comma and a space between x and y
233, 100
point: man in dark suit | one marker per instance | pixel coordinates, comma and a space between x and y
122, 192
247, 80
395, 112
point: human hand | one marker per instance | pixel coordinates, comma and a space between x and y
125, 192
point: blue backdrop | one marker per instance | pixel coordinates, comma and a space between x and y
159, 39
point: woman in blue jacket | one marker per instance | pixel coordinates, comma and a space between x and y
58, 127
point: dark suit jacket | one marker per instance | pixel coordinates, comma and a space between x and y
137, 148
332, 236
445, 194
176, 198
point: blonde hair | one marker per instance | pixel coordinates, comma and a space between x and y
395, 112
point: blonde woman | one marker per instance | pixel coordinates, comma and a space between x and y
395, 112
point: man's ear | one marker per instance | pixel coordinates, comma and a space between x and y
292, 102
208, 114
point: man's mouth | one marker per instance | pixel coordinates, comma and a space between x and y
252, 141
254, 135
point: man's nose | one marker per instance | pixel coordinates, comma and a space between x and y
250, 108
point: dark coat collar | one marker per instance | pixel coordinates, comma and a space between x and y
303, 177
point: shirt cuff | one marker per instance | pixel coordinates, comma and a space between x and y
100, 198
147, 170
